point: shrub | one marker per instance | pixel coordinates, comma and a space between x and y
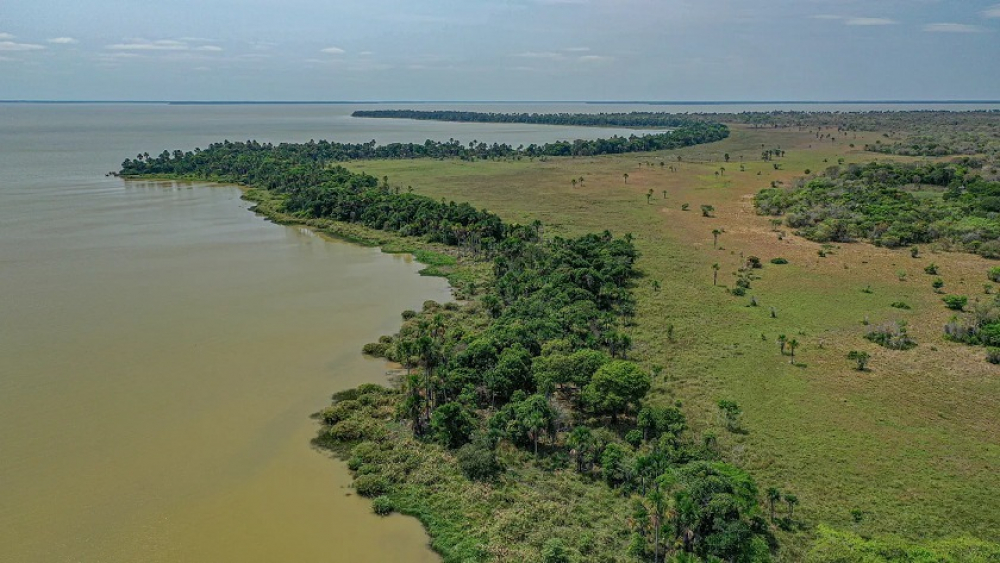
376, 349
478, 461
753, 263
994, 274
993, 355
382, 505
931, 269
937, 284
779, 260
555, 551
891, 335
860, 358
899, 305
371, 485
955, 302
707, 210
409, 314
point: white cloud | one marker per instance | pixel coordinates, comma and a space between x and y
577, 49
144, 45
869, 21
595, 59
209, 48
826, 17
6, 36
539, 55
366, 53
333, 51
992, 12
953, 28
63, 41
11, 46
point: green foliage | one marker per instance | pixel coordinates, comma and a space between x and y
478, 460
892, 335
875, 202
860, 358
779, 260
452, 425
845, 547
616, 387
707, 210
731, 415
382, 505
900, 305
931, 269
371, 485
555, 551
993, 274
955, 302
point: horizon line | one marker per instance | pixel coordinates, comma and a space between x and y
593, 102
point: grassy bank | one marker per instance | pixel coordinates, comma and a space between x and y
909, 445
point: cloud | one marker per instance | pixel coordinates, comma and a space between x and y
11, 46
855, 21
577, 49
992, 11
595, 59
143, 45
209, 48
869, 21
538, 55
333, 51
6, 36
953, 28
63, 41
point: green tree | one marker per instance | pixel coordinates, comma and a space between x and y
773, 496
616, 387
860, 358
626, 177
792, 345
715, 237
715, 274
555, 551
452, 424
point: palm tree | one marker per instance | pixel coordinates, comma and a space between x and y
791, 347
782, 340
649, 195
715, 238
626, 177
792, 500
773, 496
573, 181
715, 274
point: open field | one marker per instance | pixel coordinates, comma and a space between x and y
913, 443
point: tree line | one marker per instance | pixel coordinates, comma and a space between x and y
540, 360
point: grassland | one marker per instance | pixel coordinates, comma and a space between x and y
913, 444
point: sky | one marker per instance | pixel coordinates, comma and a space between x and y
500, 50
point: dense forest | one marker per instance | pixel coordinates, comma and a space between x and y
631, 119
538, 363
241, 157
894, 204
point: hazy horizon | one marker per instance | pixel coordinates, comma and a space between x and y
511, 50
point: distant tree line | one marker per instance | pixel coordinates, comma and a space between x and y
631, 119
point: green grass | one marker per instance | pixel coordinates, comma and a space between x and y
911, 443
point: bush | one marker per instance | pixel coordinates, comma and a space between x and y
779, 260
891, 335
371, 485
993, 355
753, 263
382, 505
994, 274
478, 461
900, 305
409, 314
931, 269
376, 349
555, 551
955, 302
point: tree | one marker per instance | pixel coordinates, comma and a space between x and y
726, 156
715, 274
707, 210
792, 344
452, 424
581, 441
791, 500
860, 358
573, 181
616, 387
649, 195
555, 551
782, 340
626, 177
715, 237
664, 191
773, 496
731, 414
955, 302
